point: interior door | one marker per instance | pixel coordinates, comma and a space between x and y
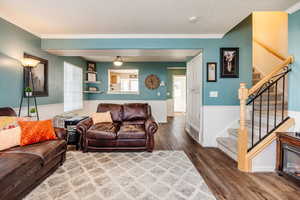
179, 93
194, 97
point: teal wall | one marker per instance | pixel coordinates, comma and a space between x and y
240, 36
145, 69
294, 49
14, 41
171, 73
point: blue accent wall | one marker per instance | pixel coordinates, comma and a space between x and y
240, 36
14, 41
145, 69
294, 49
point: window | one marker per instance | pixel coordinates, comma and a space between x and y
73, 98
123, 81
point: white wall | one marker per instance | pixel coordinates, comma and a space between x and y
47, 111
159, 108
216, 121
170, 107
265, 161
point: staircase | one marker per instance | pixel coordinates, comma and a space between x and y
229, 144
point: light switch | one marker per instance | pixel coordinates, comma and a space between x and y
158, 93
213, 94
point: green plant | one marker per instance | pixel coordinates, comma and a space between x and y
32, 110
28, 89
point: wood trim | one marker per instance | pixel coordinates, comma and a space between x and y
266, 142
243, 131
277, 69
270, 50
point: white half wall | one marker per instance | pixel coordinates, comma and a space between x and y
47, 111
296, 116
265, 161
216, 121
170, 107
158, 107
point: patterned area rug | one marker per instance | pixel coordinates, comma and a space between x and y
159, 175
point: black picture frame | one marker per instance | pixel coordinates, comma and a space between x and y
208, 65
40, 77
91, 66
229, 69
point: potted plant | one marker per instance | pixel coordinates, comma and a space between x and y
32, 111
28, 92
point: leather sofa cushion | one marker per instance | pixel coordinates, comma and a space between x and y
104, 130
116, 110
15, 168
140, 122
46, 150
135, 111
132, 132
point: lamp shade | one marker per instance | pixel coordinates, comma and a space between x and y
29, 62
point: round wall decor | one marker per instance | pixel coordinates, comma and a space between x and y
152, 82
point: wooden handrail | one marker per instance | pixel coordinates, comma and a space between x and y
277, 69
270, 50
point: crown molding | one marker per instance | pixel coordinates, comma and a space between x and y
128, 36
21, 27
293, 8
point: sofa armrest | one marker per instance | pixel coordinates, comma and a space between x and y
151, 126
84, 125
61, 133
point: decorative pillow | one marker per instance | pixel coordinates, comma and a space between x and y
101, 117
10, 138
36, 131
8, 122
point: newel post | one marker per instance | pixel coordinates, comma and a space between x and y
243, 131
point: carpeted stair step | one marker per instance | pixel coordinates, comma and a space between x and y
228, 146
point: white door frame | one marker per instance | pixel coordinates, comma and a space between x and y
173, 78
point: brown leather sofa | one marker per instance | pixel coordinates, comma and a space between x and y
23, 168
133, 128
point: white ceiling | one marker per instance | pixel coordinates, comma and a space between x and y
44, 17
131, 55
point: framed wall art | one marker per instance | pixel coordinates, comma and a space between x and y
229, 62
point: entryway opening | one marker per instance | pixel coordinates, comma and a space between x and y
179, 94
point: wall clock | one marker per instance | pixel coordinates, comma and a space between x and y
152, 82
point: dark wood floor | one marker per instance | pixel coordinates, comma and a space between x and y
220, 172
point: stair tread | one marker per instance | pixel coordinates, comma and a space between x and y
229, 143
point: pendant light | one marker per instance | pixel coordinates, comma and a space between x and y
118, 61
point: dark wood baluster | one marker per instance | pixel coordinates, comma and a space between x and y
252, 128
275, 109
260, 108
268, 110
283, 91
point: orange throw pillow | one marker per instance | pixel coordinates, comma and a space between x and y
36, 131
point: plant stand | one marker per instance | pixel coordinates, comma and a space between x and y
28, 70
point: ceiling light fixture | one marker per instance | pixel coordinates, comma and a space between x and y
118, 61
194, 19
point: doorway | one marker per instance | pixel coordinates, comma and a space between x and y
179, 93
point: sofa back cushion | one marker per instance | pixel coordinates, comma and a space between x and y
6, 111
116, 110
135, 111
